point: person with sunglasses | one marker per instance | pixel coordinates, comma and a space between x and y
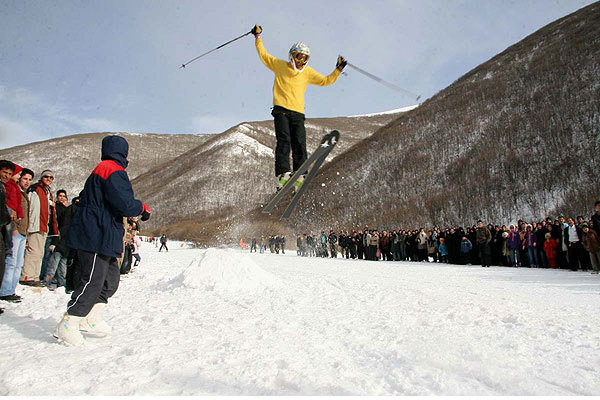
42, 225
291, 79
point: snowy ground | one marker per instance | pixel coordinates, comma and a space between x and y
225, 322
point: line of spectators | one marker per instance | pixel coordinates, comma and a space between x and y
564, 243
275, 244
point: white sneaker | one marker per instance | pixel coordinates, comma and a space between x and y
93, 322
67, 331
282, 179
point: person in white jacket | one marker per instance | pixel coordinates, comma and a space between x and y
137, 242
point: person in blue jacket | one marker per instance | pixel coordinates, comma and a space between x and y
96, 232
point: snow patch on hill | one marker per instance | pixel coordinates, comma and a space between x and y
242, 143
396, 111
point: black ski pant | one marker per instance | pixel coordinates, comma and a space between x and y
291, 135
99, 281
163, 245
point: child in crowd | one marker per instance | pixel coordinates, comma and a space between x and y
443, 251
550, 250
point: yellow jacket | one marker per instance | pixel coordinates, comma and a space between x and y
289, 86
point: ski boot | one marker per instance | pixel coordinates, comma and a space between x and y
67, 331
281, 180
298, 183
93, 322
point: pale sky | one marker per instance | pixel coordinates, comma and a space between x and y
70, 67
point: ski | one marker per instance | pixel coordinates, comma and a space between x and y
314, 162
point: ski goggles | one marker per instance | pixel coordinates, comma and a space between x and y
300, 57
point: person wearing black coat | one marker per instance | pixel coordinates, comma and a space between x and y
96, 232
333, 239
540, 237
59, 260
360, 245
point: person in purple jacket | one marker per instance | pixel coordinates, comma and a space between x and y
96, 232
513, 241
531, 247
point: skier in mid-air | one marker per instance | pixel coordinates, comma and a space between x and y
291, 79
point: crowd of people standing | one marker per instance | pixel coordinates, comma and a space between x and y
566, 243
34, 224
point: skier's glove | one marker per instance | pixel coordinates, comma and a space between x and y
256, 31
341, 63
145, 212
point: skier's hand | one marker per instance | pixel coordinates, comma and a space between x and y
51, 248
256, 31
145, 212
341, 63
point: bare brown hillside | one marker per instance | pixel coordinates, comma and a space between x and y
518, 136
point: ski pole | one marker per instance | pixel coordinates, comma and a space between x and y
390, 85
216, 48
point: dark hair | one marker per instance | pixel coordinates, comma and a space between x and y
480, 221
61, 191
5, 164
27, 171
597, 203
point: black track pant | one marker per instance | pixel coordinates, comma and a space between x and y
99, 281
291, 134
485, 255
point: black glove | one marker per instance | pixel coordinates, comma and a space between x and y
257, 30
145, 212
341, 63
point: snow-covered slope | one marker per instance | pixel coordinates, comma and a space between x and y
219, 321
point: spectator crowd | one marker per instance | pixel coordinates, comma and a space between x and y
564, 243
34, 223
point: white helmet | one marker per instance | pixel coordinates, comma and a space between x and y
299, 48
